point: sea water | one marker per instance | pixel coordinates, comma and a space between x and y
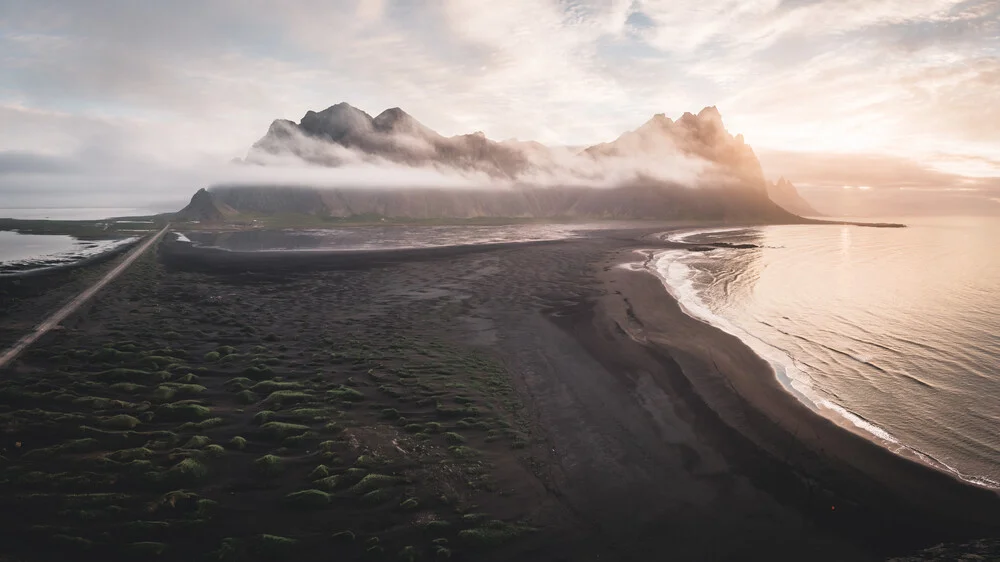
894, 332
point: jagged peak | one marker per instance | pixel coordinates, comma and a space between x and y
342, 108
280, 126
710, 112
393, 113
659, 120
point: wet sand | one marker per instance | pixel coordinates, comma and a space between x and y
634, 432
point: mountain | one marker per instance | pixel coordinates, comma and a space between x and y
644, 199
787, 197
393, 135
205, 207
701, 136
692, 168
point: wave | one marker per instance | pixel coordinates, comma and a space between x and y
677, 277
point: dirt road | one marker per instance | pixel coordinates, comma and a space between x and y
56, 318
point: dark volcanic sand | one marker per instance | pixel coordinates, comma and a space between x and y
599, 421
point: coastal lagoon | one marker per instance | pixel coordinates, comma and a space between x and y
394, 237
28, 252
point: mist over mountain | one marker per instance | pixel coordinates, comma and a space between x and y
788, 198
343, 134
689, 168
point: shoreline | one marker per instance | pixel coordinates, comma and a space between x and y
780, 361
121, 246
739, 386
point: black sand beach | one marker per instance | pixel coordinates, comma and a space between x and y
510, 402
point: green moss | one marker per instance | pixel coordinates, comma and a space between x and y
186, 389
143, 549
275, 547
212, 356
299, 440
189, 378
188, 470
409, 503
123, 375
121, 421
85, 445
126, 455
164, 393
203, 424
72, 542
258, 372
437, 526
230, 550
238, 382
155, 362
308, 499
182, 411
307, 414
373, 482
320, 471
346, 394
454, 438
263, 417
286, 397
408, 554
238, 443
145, 527
267, 387
463, 452
129, 387
344, 536
246, 397
268, 466
215, 450
492, 534
282, 430
378, 496
329, 483
197, 442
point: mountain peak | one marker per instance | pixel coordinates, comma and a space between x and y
395, 120
205, 207
710, 112
336, 122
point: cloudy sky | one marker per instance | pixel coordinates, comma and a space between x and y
131, 93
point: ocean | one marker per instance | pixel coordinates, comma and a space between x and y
892, 332
72, 213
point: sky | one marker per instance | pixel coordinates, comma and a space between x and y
137, 96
